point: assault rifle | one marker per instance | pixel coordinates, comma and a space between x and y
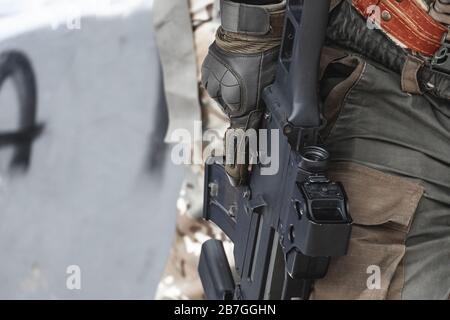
285, 227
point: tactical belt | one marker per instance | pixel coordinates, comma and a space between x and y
420, 73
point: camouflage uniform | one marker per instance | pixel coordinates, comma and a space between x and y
180, 279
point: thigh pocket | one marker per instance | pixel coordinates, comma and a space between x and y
382, 207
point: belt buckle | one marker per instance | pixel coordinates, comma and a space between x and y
441, 59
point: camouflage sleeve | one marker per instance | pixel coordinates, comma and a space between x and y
180, 279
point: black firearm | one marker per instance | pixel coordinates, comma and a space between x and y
285, 227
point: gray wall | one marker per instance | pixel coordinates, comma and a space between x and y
100, 192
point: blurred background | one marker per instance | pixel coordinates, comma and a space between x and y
95, 189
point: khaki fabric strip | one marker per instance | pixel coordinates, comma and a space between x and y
335, 99
409, 80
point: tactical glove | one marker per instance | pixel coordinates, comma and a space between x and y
240, 63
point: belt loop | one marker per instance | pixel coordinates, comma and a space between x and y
409, 80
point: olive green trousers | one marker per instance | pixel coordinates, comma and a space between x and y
391, 150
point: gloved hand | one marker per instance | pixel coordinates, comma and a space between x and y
240, 63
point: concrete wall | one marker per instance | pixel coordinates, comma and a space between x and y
100, 191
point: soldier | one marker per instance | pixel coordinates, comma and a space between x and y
385, 86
